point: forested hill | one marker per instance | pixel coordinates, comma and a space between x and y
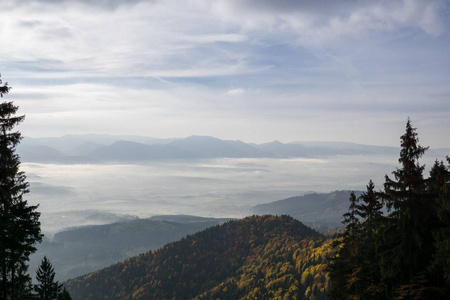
257, 257
86, 249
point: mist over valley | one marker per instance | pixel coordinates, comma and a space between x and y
107, 198
219, 179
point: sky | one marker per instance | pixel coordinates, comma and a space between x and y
250, 70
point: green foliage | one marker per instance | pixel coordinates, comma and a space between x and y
259, 257
440, 186
404, 255
47, 288
19, 222
406, 249
354, 270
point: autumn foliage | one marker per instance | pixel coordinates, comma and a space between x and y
256, 257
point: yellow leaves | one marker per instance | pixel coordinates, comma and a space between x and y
138, 293
286, 268
256, 258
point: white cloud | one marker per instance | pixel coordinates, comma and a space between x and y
170, 63
190, 38
235, 92
212, 38
324, 23
131, 40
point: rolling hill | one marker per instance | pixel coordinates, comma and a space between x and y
86, 249
259, 257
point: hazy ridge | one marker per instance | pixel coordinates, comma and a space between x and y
321, 211
93, 148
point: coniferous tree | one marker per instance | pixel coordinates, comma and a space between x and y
19, 222
439, 186
371, 207
405, 255
47, 288
64, 295
407, 240
370, 212
351, 221
355, 271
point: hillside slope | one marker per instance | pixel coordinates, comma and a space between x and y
321, 211
81, 250
256, 257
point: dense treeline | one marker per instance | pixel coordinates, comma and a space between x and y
256, 257
405, 254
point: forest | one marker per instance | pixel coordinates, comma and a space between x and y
394, 244
258, 257
406, 253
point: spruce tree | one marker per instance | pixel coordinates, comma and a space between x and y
47, 288
371, 207
351, 221
370, 211
404, 255
19, 222
407, 240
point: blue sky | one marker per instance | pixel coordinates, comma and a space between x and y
254, 70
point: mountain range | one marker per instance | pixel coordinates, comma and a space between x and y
96, 148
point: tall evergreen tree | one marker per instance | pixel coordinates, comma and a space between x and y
47, 288
407, 239
19, 222
370, 211
404, 255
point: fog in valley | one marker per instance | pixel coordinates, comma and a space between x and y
79, 194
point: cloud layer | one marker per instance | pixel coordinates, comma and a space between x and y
251, 70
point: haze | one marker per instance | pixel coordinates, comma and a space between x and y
67, 194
